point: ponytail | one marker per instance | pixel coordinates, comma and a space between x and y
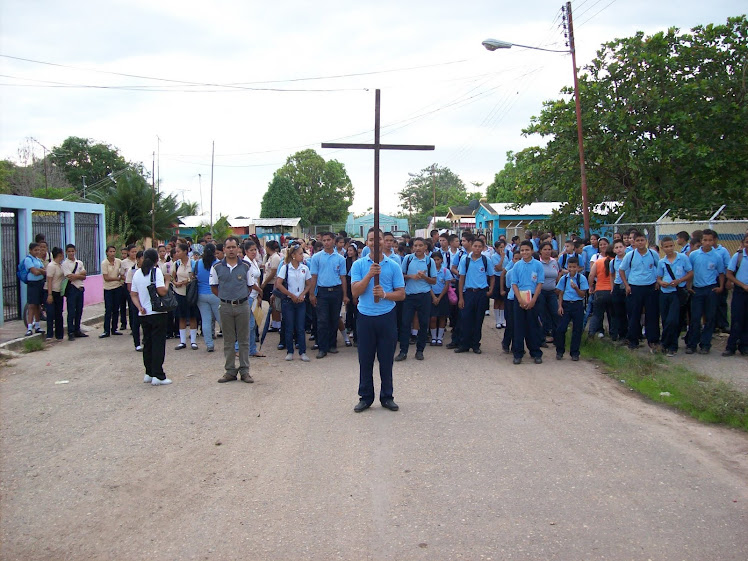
609, 256
150, 258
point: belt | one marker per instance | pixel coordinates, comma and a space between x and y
476, 289
330, 288
234, 302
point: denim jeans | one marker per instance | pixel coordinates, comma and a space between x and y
208, 306
293, 316
252, 322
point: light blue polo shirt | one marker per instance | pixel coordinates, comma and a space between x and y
443, 276
477, 275
410, 266
724, 253
528, 275
390, 278
564, 284
394, 256
629, 249
742, 274
328, 267
31, 261
495, 260
615, 269
508, 280
588, 251
686, 249
680, 267
641, 270
707, 267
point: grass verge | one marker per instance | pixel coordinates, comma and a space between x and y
33, 345
702, 397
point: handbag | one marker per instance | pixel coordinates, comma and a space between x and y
192, 292
452, 295
160, 303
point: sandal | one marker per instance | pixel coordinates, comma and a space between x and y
433, 342
439, 343
257, 355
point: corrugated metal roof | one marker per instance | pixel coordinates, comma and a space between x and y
267, 222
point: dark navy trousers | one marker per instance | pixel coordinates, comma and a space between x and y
471, 317
526, 329
670, 314
739, 317
574, 314
377, 337
415, 304
643, 297
703, 304
328, 311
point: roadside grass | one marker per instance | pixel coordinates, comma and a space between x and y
702, 397
33, 345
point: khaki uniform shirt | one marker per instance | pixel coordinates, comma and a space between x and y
67, 268
111, 269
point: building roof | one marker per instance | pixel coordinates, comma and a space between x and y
460, 211
268, 222
241, 222
533, 209
193, 221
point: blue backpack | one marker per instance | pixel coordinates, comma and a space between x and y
22, 272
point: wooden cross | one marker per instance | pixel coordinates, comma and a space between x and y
377, 146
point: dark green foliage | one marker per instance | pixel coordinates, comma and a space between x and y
281, 199
79, 157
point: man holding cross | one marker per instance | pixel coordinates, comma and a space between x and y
376, 325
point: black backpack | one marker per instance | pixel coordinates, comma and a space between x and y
409, 260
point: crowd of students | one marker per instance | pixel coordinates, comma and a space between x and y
448, 280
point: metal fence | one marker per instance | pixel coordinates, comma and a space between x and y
316, 230
11, 287
52, 225
87, 241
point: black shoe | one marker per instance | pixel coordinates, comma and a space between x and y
690, 351
361, 406
71, 337
333, 350
559, 356
80, 334
273, 330
180, 346
315, 347
477, 351
419, 355
390, 404
312, 337
348, 344
123, 327
413, 340
544, 345
321, 354
452, 346
168, 335
116, 333
517, 360
461, 350
704, 351
728, 353
219, 334
538, 360
506, 350
401, 357
281, 346
575, 358
103, 335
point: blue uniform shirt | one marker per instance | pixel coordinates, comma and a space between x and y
680, 267
477, 275
31, 261
588, 252
495, 260
528, 275
328, 267
410, 266
686, 249
564, 284
742, 274
707, 267
724, 253
390, 278
443, 276
615, 269
508, 281
641, 270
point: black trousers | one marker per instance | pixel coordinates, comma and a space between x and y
415, 304
739, 316
619, 326
135, 324
54, 317
328, 312
574, 314
643, 297
526, 329
112, 301
154, 344
471, 318
377, 339
74, 297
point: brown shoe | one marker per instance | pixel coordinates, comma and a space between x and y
247, 378
227, 378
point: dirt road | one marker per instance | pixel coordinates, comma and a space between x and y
484, 460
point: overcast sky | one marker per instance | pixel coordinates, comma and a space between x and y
210, 71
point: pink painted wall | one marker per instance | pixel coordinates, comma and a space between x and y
94, 293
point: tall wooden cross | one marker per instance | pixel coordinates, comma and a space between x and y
377, 146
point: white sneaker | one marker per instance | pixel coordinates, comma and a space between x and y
289, 356
147, 379
498, 326
139, 348
157, 382
304, 358
488, 313
600, 335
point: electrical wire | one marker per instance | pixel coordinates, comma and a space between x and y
597, 13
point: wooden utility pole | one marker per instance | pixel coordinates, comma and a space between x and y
153, 200
212, 161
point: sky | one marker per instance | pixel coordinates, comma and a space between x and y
264, 80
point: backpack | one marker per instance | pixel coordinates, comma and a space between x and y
409, 260
22, 272
469, 259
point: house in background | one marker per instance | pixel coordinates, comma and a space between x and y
494, 219
273, 228
358, 227
461, 217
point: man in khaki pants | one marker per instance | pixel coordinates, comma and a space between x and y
230, 280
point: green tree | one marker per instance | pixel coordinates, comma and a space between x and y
664, 121
281, 199
324, 188
79, 157
443, 185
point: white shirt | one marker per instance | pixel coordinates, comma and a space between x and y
140, 287
254, 273
296, 277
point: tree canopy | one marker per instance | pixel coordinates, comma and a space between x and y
417, 197
664, 121
79, 157
323, 187
281, 200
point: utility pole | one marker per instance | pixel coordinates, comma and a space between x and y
212, 160
158, 163
200, 186
153, 200
433, 183
84, 186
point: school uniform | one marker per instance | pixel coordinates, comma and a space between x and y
603, 298
721, 321
641, 275
34, 283
477, 275
443, 276
573, 307
548, 301
112, 294
293, 314
74, 295
588, 251
619, 325
125, 303
417, 301
506, 342
526, 276
154, 323
738, 339
670, 298
54, 310
454, 311
328, 268
707, 268
376, 325
134, 315
498, 259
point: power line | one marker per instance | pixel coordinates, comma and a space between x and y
597, 13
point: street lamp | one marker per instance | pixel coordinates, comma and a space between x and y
495, 44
